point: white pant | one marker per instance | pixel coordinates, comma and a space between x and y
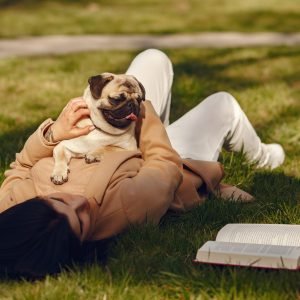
216, 122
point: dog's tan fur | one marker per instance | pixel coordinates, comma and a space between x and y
105, 92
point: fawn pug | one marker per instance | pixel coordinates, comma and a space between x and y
114, 104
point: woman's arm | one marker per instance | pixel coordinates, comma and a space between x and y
147, 195
39, 146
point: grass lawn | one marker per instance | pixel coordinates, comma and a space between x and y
151, 262
34, 17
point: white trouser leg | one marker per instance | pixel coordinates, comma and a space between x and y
154, 70
216, 122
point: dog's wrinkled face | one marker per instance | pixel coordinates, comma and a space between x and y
114, 98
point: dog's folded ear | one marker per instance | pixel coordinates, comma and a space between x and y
143, 92
139, 122
97, 83
143, 96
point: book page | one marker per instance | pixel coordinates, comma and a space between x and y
273, 234
249, 255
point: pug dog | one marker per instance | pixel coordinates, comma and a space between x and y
114, 103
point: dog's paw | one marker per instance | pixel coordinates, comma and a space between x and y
91, 158
59, 177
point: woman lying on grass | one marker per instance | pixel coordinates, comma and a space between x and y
45, 227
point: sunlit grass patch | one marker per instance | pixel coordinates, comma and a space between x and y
33, 17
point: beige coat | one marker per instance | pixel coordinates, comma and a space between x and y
127, 187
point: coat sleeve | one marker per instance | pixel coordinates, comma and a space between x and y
35, 148
146, 195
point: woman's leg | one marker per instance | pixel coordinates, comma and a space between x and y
154, 70
219, 122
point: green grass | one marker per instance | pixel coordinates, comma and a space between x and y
33, 17
156, 262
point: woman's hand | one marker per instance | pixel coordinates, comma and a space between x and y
64, 127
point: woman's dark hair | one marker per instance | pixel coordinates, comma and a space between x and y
35, 240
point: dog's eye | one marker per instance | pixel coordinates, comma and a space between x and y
117, 100
114, 101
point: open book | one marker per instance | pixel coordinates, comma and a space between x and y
254, 245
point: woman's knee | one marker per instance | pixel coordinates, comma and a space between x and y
156, 55
223, 98
224, 103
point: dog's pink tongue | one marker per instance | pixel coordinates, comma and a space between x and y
131, 117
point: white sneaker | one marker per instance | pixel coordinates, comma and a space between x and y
273, 156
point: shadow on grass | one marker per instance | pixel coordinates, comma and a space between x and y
205, 66
198, 75
13, 141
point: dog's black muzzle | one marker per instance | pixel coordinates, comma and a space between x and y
123, 114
